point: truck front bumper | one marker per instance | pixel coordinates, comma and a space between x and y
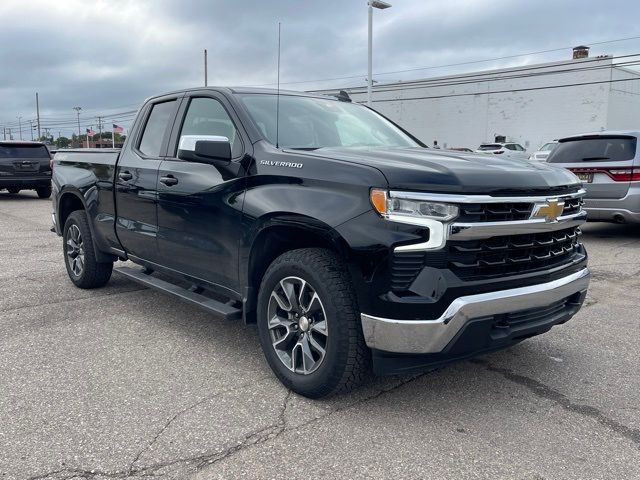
476, 323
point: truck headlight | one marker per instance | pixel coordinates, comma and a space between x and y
390, 207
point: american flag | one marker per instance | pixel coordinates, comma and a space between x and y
117, 129
90, 132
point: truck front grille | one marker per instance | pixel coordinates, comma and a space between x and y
504, 212
494, 212
513, 254
490, 258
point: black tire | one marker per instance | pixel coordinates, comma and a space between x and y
13, 190
92, 274
44, 192
346, 361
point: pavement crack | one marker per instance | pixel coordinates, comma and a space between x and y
262, 435
544, 391
70, 473
71, 300
275, 430
133, 470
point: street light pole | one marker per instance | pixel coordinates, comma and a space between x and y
379, 4
77, 109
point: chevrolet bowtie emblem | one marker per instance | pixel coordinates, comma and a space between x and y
550, 210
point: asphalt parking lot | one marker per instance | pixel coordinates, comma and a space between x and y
124, 382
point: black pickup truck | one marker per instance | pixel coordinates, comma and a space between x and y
348, 242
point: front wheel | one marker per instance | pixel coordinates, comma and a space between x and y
80, 257
309, 324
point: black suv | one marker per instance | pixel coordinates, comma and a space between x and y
25, 166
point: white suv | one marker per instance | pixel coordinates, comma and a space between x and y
509, 150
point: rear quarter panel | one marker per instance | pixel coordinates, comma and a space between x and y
89, 175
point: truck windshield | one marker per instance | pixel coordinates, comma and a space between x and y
310, 123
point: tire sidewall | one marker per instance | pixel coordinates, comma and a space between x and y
86, 235
44, 192
330, 371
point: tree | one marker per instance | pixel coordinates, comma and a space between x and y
62, 142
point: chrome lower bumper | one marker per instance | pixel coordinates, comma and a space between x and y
432, 336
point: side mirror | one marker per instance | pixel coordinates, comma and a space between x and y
211, 149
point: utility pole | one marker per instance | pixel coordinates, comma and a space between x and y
99, 129
19, 117
77, 109
31, 128
38, 113
205, 68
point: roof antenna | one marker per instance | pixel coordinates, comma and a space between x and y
278, 91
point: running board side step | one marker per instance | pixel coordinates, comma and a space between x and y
220, 309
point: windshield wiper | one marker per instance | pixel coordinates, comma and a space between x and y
307, 149
586, 159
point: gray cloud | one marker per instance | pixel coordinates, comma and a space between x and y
107, 56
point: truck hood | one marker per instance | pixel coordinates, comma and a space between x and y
455, 172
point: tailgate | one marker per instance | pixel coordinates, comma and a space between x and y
23, 160
604, 163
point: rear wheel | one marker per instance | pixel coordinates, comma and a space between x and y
309, 324
80, 258
44, 192
13, 190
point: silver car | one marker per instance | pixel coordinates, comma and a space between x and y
608, 163
543, 152
506, 149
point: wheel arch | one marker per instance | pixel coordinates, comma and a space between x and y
69, 201
278, 235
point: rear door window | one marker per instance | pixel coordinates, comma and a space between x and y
23, 151
603, 149
160, 118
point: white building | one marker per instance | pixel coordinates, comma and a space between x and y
524, 104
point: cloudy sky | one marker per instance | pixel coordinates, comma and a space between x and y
107, 56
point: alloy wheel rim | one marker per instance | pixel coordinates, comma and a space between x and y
297, 325
75, 250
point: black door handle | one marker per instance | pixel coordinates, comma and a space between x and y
169, 180
126, 176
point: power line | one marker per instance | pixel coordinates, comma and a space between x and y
509, 90
464, 80
432, 67
481, 76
